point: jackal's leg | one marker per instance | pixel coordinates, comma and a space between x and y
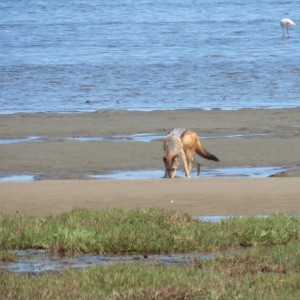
189, 159
185, 165
197, 165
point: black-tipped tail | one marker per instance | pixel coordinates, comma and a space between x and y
212, 157
207, 155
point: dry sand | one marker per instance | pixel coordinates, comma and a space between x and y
238, 138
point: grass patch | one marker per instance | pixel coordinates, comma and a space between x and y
263, 272
120, 231
268, 269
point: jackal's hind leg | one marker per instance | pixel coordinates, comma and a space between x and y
189, 159
197, 165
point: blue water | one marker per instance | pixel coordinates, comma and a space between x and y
39, 261
81, 55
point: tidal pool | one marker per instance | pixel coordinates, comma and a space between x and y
119, 138
17, 178
233, 172
20, 140
229, 172
39, 261
138, 137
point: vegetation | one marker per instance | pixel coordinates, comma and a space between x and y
141, 231
268, 268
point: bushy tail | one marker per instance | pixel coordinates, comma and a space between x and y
202, 152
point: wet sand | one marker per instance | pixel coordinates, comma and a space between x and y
238, 138
197, 197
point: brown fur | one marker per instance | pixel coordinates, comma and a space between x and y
183, 143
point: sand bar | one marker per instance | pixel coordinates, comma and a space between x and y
239, 138
266, 138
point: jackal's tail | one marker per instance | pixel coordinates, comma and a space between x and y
202, 152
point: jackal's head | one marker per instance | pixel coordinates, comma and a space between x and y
171, 164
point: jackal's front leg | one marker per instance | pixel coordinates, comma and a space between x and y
185, 165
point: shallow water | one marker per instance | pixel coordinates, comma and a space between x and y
214, 219
119, 138
20, 140
39, 261
17, 178
145, 55
233, 172
137, 137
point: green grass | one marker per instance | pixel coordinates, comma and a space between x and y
263, 272
141, 231
267, 267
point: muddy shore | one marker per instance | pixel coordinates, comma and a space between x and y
56, 150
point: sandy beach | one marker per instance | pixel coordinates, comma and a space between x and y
62, 161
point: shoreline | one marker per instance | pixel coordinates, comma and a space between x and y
147, 110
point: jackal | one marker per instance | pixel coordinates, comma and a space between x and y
184, 143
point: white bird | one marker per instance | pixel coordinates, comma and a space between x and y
285, 24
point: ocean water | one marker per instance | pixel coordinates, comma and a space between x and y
76, 55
